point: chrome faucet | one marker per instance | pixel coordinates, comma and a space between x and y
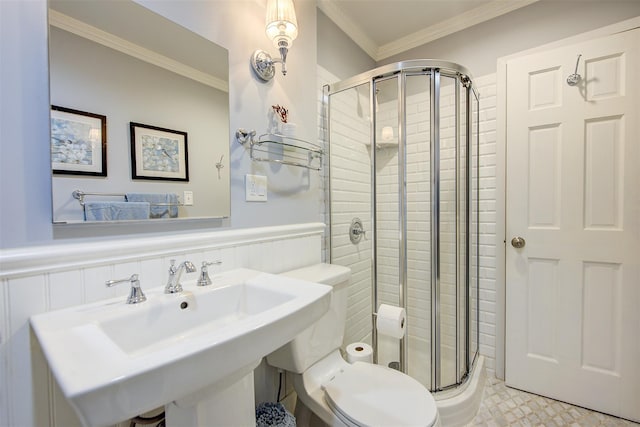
136, 295
173, 284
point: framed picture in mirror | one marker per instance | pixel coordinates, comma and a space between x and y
158, 153
78, 142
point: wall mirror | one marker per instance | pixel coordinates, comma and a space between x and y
139, 118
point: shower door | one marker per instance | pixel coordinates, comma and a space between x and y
418, 230
350, 190
399, 165
388, 209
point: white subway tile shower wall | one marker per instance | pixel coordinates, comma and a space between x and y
345, 191
30, 396
486, 86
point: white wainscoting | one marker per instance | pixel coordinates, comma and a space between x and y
44, 278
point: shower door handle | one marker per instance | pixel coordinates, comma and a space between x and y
518, 242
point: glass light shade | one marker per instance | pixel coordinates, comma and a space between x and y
282, 26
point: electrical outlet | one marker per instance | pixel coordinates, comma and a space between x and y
255, 188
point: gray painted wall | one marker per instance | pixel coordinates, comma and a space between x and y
337, 53
478, 47
295, 195
25, 181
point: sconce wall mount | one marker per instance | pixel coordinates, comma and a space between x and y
282, 29
264, 65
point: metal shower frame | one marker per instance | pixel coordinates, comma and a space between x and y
435, 69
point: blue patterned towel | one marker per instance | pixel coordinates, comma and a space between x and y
163, 205
115, 211
270, 414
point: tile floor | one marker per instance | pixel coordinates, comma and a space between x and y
502, 406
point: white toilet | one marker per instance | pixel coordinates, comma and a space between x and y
339, 393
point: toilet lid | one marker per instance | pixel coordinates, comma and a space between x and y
372, 395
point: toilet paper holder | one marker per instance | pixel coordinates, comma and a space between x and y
375, 315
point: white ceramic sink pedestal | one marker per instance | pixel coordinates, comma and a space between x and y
198, 347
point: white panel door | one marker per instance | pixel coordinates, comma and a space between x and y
573, 195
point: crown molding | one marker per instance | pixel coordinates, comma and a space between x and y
465, 20
104, 38
426, 35
350, 27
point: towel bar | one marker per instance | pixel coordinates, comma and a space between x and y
80, 196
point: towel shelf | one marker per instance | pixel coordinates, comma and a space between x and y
281, 149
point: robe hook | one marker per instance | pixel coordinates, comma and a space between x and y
575, 78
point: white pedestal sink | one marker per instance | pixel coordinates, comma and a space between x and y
221, 405
191, 351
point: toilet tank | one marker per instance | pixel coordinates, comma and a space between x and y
326, 334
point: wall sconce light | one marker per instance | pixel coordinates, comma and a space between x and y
282, 29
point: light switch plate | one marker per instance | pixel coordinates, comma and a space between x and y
188, 198
255, 188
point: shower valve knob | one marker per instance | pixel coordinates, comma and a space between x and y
356, 231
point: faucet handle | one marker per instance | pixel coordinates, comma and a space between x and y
136, 295
204, 279
172, 267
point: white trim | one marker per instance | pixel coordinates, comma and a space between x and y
501, 171
49, 258
501, 210
441, 29
449, 26
89, 32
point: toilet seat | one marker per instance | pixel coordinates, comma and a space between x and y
365, 394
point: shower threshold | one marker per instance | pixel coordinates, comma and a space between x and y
459, 406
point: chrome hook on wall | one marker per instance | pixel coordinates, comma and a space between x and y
575, 78
244, 136
219, 165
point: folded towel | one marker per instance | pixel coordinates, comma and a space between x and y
115, 211
274, 415
163, 205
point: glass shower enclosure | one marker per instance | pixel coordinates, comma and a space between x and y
403, 193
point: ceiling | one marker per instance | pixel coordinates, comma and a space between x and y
386, 28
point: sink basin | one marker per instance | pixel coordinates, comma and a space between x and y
114, 361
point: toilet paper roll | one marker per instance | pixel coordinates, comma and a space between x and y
359, 352
391, 321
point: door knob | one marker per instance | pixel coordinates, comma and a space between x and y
518, 242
